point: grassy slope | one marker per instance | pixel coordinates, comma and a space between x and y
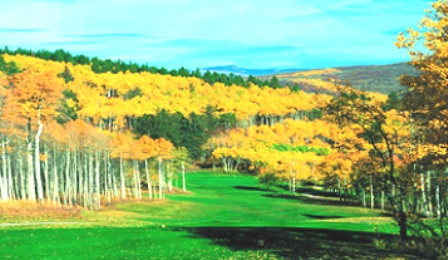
225, 217
381, 78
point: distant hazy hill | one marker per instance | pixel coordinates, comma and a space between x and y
376, 78
379, 78
246, 72
383, 79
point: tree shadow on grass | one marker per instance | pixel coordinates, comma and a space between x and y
323, 202
311, 190
306, 195
299, 243
312, 200
320, 193
249, 188
321, 217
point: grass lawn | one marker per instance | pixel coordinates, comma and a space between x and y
224, 217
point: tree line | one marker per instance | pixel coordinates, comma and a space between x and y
107, 65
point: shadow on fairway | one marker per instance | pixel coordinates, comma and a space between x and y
309, 190
249, 188
312, 200
320, 193
298, 243
321, 217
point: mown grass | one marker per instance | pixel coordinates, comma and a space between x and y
224, 217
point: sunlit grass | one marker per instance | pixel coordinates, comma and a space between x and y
223, 217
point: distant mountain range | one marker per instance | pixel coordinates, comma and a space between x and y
246, 72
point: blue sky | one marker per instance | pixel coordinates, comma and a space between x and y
252, 34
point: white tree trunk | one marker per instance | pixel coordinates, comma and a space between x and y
430, 210
67, 179
137, 190
424, 202
23, 187
148, 177
3, 175
46, 180
160, 179
56, 197
224, 163
170, 177
372, 194
438, 211
74, 177
91, 185
85, 180
40, 193
97, 181
294, 184
31, 185
11, 193
123, 186
364, 203
109, 186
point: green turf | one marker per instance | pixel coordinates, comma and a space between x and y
224, 217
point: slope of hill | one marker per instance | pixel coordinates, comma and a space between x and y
378, 78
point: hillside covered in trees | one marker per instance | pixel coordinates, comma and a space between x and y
108, 65
376, 78
73, 135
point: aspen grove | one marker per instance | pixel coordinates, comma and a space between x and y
67, 131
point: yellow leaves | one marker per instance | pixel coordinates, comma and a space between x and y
427, 92
421, 151
35, 65
400, 43
316, 84
42, 157
33, 95
173, 94
70, 103
412, 33
255, 145
376, 98
164, 147
124, 145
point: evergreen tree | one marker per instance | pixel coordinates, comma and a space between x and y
10, 68
274, 83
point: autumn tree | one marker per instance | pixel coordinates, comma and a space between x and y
34, 97
426, 100
427, 95
353, 107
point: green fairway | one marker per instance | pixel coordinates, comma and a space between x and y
224, 217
